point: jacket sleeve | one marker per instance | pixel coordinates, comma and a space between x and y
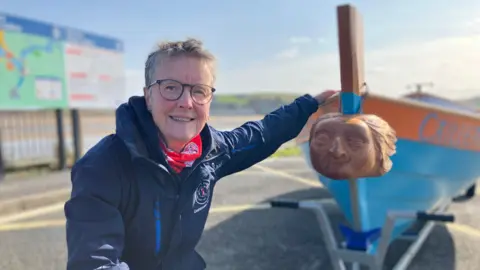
256, 140
95, 229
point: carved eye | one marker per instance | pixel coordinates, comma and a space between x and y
321, 138
355, 142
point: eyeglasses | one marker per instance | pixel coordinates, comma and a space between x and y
172, 90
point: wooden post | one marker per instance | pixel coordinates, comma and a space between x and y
350, 42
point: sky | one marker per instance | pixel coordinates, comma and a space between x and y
290, 46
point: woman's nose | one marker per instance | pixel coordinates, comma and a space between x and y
186, 100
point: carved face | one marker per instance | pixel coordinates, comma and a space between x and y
344, 146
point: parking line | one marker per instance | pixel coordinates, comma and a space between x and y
238, 208
9, 224
36, 196
251, 172
455, 226
59, 206
32, 225
49, 223
464, 229
32, 213
306, 181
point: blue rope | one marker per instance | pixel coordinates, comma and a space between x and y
347, 99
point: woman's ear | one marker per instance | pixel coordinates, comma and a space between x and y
148, 98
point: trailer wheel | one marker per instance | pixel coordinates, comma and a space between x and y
467, 195
471, 192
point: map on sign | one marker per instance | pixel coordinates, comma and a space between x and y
47, 66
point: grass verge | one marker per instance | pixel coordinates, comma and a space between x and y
292, 151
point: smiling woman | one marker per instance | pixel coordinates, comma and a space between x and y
169, 71
141, 197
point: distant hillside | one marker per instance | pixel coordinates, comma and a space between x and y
258, 103
263, 103
242, 99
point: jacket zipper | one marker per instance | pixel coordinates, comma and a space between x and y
158, 228
178, 207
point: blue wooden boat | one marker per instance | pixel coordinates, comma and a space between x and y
437, 157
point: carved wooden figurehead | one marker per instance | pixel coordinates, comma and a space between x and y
345, 147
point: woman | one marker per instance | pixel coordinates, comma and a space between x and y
140, 197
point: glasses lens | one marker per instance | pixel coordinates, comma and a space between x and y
201, 93
170, 89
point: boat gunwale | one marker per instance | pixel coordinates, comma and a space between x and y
408, 101
400, 100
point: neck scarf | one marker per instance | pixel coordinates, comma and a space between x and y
188, 155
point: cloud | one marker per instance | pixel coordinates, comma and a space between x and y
288, 53
300, 40
294, 50
472, 23
452, 64
473, 26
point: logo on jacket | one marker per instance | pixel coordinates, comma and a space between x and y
201, 196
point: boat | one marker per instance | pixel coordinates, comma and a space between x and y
437, 157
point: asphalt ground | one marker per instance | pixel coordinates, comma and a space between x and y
240, 235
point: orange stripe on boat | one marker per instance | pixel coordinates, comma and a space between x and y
417, 121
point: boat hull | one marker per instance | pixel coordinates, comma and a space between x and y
437, 158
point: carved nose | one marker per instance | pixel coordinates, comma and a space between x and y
337, 150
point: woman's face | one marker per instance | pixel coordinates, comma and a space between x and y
179, 120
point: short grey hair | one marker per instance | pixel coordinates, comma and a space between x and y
190, 47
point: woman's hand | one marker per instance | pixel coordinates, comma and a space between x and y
322, 97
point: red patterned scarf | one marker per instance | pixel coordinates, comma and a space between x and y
191, 151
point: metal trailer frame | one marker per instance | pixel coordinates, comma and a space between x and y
375, 261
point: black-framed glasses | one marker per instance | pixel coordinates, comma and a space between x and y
172, 90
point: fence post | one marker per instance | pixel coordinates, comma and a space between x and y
2, 161
62, 161
76, 132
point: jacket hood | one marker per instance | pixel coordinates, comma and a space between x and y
136, 127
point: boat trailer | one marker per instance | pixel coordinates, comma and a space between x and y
357, 247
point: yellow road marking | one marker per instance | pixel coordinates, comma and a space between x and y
32, 225
250, 172
49, 223
455, 226
237, 208
57, 192
32, 213
464, 229
8, 223
306, 181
